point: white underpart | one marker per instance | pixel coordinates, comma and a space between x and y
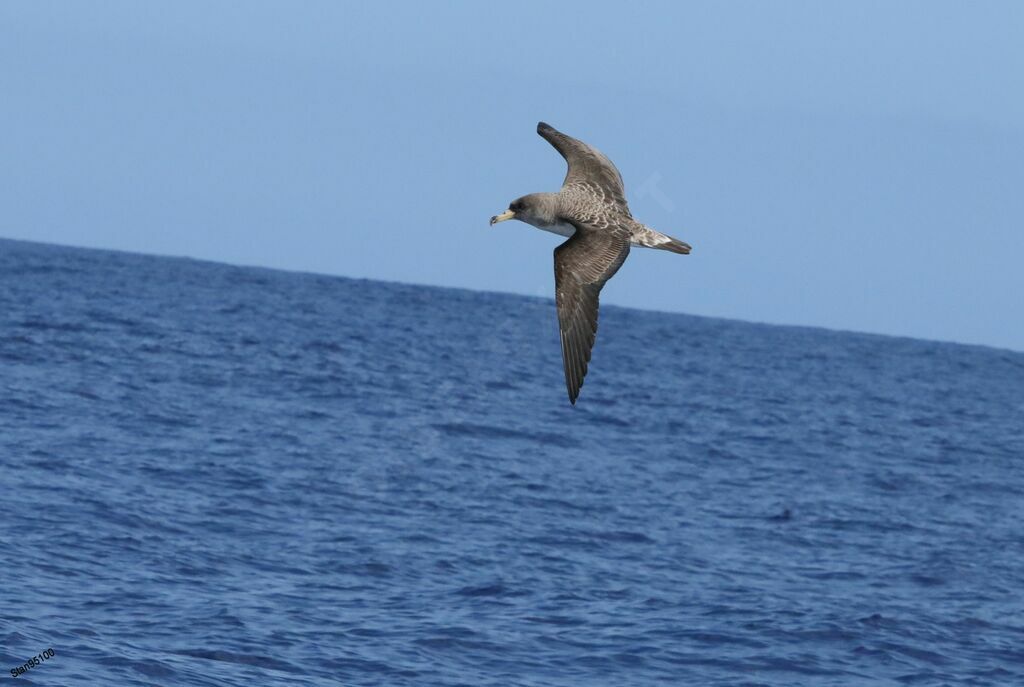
645, 236
642, 236
560, 229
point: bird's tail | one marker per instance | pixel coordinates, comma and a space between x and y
643, 235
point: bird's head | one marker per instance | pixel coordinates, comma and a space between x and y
537, 209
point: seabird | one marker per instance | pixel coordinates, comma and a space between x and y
591, 210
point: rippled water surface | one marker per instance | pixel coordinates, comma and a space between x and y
217, 475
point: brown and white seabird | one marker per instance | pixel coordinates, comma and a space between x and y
591, 210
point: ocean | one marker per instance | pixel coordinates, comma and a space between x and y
219, 475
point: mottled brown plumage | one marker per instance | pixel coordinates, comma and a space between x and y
590, 209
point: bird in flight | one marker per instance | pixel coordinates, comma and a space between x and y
591, 210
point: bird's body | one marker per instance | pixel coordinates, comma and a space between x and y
591, 210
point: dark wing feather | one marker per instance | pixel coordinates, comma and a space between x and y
582, 266
588, 166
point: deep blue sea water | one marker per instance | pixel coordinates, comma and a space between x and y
216, 475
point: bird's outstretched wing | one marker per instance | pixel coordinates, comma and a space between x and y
582, 265
588, 166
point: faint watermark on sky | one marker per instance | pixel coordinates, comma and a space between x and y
651, 187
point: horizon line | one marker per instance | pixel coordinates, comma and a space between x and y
759, 323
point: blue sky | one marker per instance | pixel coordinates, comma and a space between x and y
856, 166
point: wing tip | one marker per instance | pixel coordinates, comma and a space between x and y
543, 127
572, 385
